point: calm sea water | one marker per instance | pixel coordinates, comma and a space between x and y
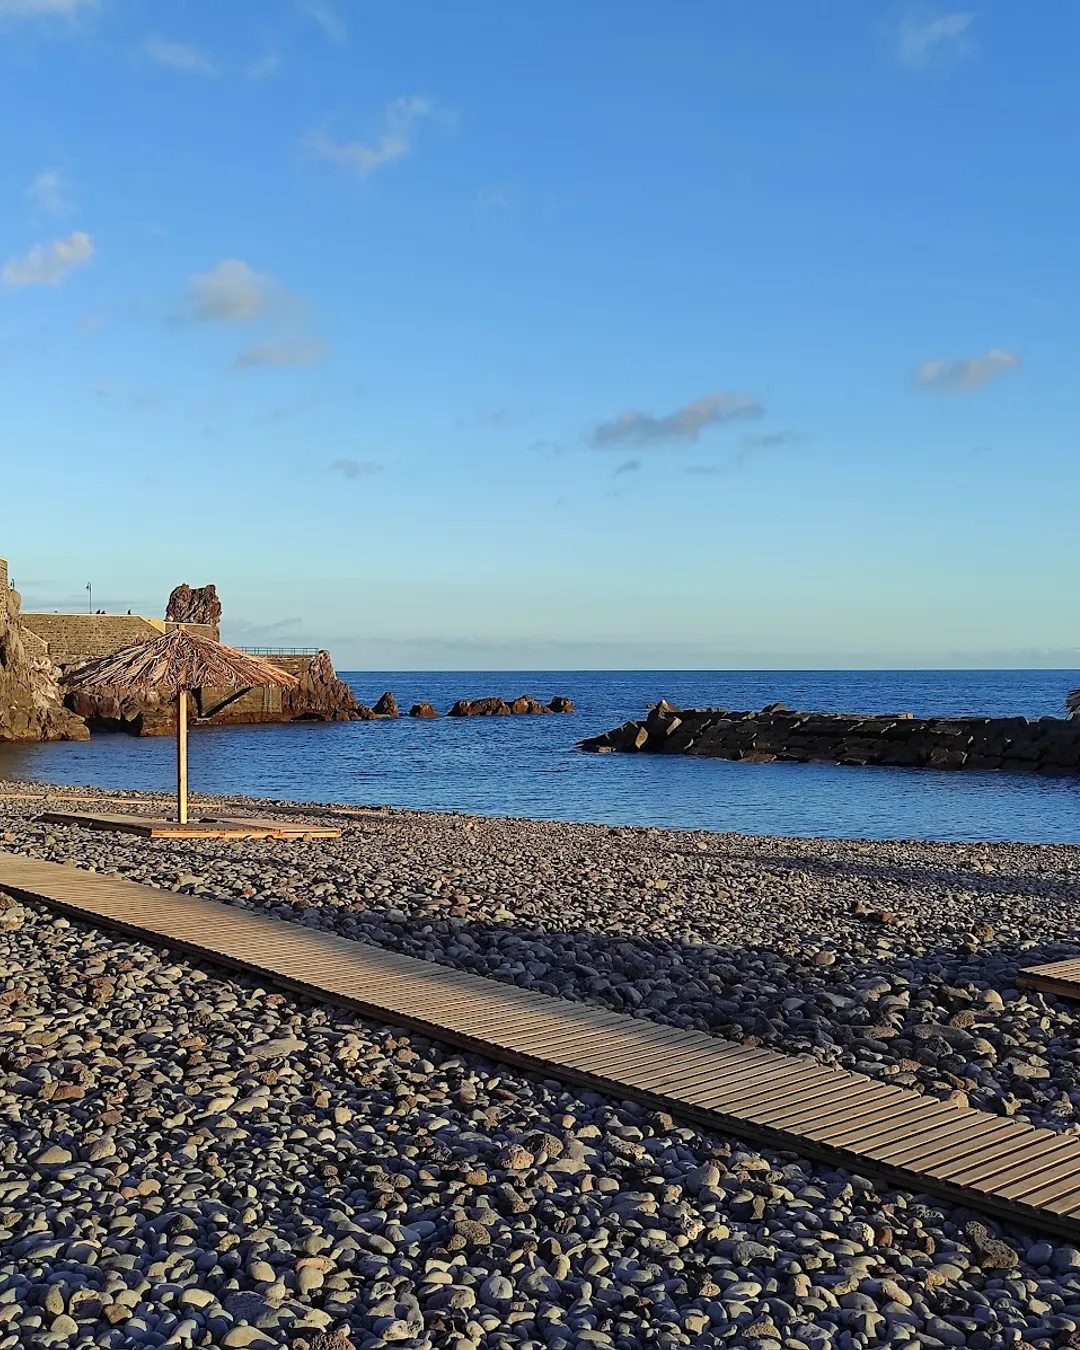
527, 766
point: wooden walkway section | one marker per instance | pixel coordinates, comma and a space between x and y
992, 1163
1057, 977
205, 827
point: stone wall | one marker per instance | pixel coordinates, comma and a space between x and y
72, 638
1048, 745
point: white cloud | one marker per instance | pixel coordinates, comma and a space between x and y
178, 56
354, 468
49, 192
299, 353
684, 424
328, 19
233, 292
400, 121
968, 374
264, 68
48, 264
56, 9
919, 40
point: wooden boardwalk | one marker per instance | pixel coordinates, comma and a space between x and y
1026, 1175
1057, 977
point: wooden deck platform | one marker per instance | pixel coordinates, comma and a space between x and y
205, 827
1026, 1175
1057, 977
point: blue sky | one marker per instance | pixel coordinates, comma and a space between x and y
605, 335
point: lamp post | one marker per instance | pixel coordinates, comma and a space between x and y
90, 602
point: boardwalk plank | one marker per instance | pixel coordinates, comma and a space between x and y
1004, 1167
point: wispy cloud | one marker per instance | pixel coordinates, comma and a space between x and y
264, 67
684, 424
920, 40
772, 440
395, 139
48, 264
354, 468
299, 353
282, 413
232, 292
966, 375
49, 192
493, 199
627, 466
54, 9
327, 18
496, 419
179, 56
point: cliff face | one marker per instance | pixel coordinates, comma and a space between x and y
321, 696
31, 708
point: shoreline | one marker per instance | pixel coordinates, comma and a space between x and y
165, 798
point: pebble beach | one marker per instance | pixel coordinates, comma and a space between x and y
192, 1159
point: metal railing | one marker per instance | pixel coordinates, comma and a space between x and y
280, 651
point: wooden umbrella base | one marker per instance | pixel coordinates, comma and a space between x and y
206, 827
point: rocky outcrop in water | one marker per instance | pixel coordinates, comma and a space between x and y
194, 604
321, 696
149, 714
386, 706
1049, 745
499, 707
422, 710
31, 706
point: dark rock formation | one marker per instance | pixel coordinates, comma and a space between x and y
527, 704
321, 696
386, 706
1050, 745
422, 710
148, 714
498, 707
31, 706
480, 707
194, 604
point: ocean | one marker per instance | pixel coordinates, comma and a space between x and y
527, 766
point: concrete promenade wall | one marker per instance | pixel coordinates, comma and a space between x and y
1048, 745
82, 637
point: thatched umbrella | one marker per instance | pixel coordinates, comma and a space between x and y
176, 662
1072, 703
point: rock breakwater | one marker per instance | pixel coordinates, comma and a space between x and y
1047, 745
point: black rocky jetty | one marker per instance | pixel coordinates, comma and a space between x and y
1047, 745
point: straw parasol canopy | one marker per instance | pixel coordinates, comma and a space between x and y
174, 663
1072, 703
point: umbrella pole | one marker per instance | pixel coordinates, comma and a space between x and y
181, 757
